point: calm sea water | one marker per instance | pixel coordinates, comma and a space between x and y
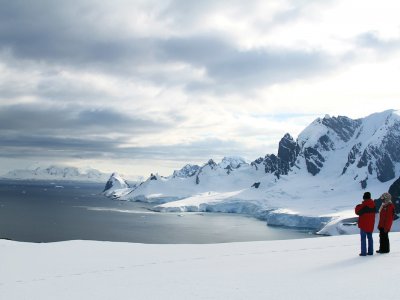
58, 211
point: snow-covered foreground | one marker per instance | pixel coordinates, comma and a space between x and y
319, 268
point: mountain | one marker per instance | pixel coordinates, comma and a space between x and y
57, 173
310, 181
114, 185
363, 149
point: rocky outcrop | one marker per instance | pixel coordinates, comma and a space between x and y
288, 151
314, 160
394, 189
344, 127
115, 182
186, 171
210, 165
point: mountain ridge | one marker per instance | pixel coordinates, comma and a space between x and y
310, 182
57, 172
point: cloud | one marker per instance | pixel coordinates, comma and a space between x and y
71, 121
230, 69
372, 40
69, 35
152, 80
36, 146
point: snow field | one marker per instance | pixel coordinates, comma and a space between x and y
319, 268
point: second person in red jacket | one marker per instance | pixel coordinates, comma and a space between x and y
386, 214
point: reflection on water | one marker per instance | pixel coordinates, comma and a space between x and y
48, 212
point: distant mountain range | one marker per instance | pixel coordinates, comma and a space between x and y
58, 173
323, 172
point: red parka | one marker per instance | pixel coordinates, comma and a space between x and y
366, 212
386, 215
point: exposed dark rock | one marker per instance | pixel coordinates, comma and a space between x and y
186, 171
108, 186
257, 162
153, 177
256, 185
394, 190
314, 160
391, 142
370, 168
344, 127
365, 158
271, 163
287, 154
211, 163
229, 169
351, 158
113, 181
280, 165
378, 160
325, 143
385, 168
364, 183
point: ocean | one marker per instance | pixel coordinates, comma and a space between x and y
45, 211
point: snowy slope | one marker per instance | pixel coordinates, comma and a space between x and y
312, 181
319, 268
57, 173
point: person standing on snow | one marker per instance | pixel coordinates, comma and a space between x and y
386, 215
366, 223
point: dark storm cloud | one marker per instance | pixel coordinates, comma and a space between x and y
31, 131
66, 33
70, 120
40, 146
50, 143
229, 67
36, 146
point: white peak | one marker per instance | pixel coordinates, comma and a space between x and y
114, 183
310, 135
233, 161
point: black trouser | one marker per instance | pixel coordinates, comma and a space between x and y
384, 245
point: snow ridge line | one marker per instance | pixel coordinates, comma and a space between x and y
125, 268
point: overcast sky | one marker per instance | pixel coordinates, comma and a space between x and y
148, 86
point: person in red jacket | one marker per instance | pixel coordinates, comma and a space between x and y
386, 215
366, 223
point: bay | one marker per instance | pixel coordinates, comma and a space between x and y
43, 211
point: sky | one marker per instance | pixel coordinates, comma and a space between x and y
142, 87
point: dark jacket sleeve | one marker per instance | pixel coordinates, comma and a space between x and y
357, 209
363, 209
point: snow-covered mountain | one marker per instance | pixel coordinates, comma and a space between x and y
311, 180
364, 149
57, 173
114, 184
